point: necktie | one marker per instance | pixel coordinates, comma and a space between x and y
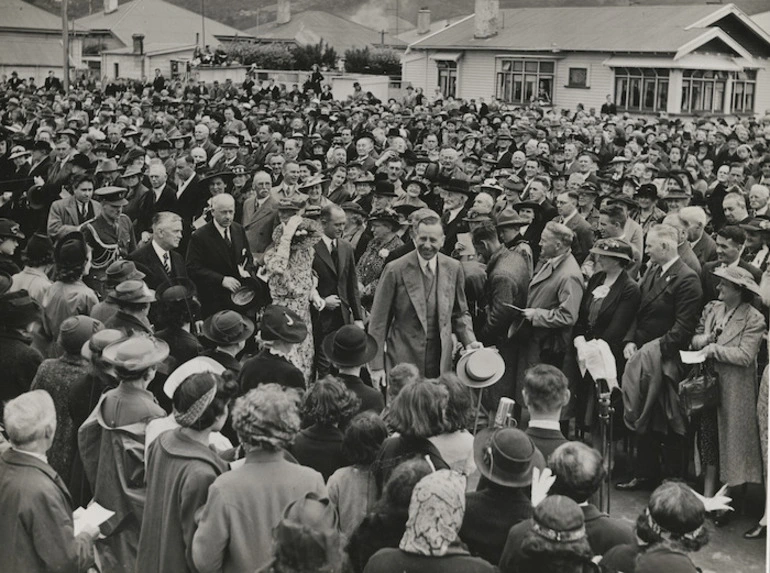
227, 238
334, 253
166, 263
428, 272
83, 213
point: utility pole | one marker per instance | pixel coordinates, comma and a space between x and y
203, 24
65, 29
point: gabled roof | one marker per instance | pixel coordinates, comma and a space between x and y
20, 15
311, 26
162, 23
646, 29
762, 20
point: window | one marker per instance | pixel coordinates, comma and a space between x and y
117, 69
641, 89
703, 90
525, 81
447, 77
578, 78
744, 87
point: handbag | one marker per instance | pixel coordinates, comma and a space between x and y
700, 390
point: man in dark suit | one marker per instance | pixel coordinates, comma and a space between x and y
582, 233
538, 193
218, 257
36, 522
703, 245
162, 197
334, 263
455, 193
729, 242
545, 392
265, 145
664, 325
260, 215
158, 259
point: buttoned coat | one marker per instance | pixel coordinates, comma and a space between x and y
259, 222
209, 260
398, 316
340, 279
147, 261
36, 519
63, 216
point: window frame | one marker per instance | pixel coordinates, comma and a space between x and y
633, 85
585, 85
518, 79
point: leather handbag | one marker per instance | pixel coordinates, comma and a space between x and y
700, 390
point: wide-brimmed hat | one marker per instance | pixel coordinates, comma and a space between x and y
677, 195
312, 182
423, 186
19, 151
123, 270
197, 365
76, 331
112, 195
136, 353
536, 207
480, 368
107, 166
10, 229
176, 290
18, 309
349, 346
647, 191
615, 248
351, 207
100, 340
509, 217
739, 276
71, 250
133, 291
387, 216
384, 188
506, 456
281, 323
227, 327
455, 186
131, 171
226, 176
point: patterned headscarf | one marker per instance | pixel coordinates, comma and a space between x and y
435, 514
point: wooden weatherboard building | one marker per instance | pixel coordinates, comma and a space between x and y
685, 59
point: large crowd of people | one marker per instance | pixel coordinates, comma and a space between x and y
285, 331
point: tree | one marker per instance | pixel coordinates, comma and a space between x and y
381, 61
308, 55
265, 56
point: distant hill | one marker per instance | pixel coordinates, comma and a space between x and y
377, 14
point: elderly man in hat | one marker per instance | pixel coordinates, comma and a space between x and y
36, 519
110, 235
117, 425
553, 301
70, 214
219, 257
227, 157
280, 330
107, 172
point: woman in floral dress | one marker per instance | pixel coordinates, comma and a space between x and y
384, 225
290, 277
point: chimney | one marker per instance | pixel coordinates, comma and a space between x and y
423, 21
283, 14
138, 43
487, 12
110, 6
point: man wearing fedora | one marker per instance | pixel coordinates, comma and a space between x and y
334, 264
418, 305
219, 257
158, 259
133, 299
349, 349
280, 330
67, 215
229, 331
505, 457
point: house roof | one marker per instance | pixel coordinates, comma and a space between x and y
152, 49
311, 26
30, 53
646, 29
18, 14
162, 23
763, 20
413, 35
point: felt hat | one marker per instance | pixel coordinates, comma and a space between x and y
349, 346
281, 323
312, 182
480, 368
290, 205
647, 191
39, 247
10, 229
510, 218
100, 340
131, 171
226, 176
136, 353
613, 248
133, 291
18, 309
227, 327
76, 331
506, 456
351, 207
387, 216
123, 270
176, 290
455, 186
384, 188
71, 250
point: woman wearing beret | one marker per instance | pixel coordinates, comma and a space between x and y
730, 333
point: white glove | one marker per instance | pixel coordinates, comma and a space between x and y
541, 484
716, 503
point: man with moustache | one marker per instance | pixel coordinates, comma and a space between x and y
260, 215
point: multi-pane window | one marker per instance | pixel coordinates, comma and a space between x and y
744, 87
447, 77
703, 90
641, 89
525, 81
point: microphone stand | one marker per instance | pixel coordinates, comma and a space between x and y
605, 424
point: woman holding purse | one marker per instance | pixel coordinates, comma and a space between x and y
730, 333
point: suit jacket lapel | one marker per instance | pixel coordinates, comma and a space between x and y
657, 288
72, 208
325, 255
443, 288
414, 286
545, 271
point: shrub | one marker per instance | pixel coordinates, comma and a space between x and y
381, 61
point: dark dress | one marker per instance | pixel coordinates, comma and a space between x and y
371, 399
398, 449
268, 368
18, 363
319, 447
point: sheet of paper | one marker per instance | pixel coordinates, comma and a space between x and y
513, 306
94, 515
692, 356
